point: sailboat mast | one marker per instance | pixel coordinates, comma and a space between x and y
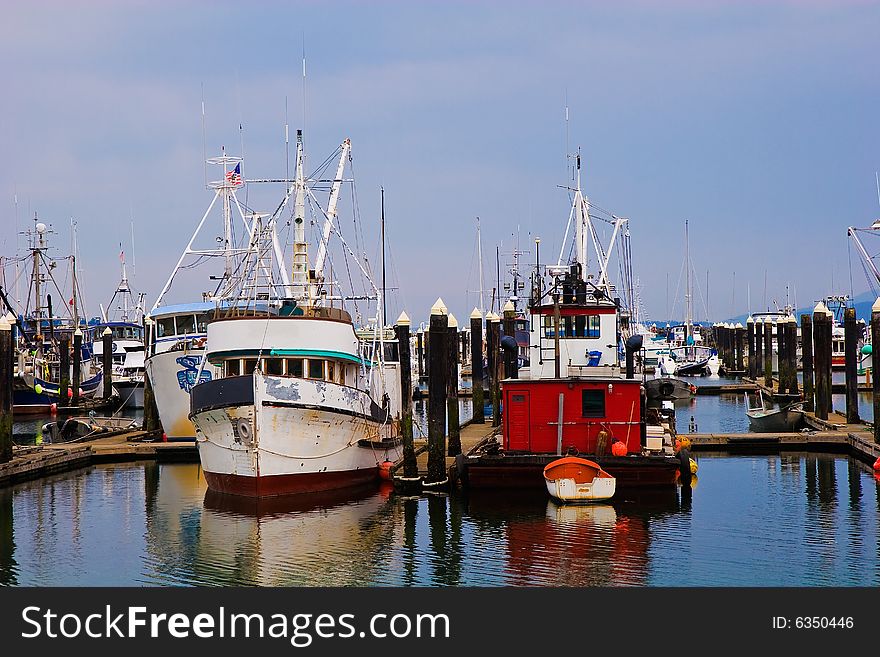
480, 258
687, 265
384, 312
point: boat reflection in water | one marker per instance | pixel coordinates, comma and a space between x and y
332, 538
552, 544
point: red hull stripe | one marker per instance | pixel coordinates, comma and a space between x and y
288, 484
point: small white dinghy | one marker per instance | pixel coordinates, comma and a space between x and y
573, 479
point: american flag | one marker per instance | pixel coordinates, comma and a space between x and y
234, 176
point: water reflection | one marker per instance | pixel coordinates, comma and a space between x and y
752, 521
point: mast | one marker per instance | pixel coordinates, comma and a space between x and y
480, 258
39, 231
384, 314
300, 247
581, 228
687, 294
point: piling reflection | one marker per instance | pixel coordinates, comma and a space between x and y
8, 567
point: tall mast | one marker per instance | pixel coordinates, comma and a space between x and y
39, 230
384, 313
227, 232
480, 258
300, 247
582, 217
687, 296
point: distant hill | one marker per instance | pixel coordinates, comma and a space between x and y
861, 302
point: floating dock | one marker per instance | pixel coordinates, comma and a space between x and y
34, 461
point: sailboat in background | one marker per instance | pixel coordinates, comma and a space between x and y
124, 317
692, 356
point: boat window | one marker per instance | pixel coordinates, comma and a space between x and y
568, 327
316, 368
580, 326
593, 403
330, 371
390, 352
593, 326
185, 324
233, 367
250, 364
165, 327
295, 367
548, 326
274, 366
202, 323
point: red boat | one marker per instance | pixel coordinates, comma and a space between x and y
573, 398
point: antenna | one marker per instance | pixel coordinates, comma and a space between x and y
286, 144
383, 256
304, 79
204, 137
877, 178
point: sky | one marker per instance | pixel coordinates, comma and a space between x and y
754, 121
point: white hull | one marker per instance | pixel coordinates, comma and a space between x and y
172, 375
297, 435
568, 490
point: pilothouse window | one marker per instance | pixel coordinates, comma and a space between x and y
316, 368
165, 327
186, 324
295, 367
593, 403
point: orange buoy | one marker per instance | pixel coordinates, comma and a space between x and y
54, 408
618, 448
164, 437
877, 465
385, 470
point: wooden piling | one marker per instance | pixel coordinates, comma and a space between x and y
7, 357
64, 373
768, 352
401, 332
438, 373
477, 366
107, 358
875, 346
782, 355
738, 335
807, 362
850, 350
822, 359
759, 349
510, 357
151, 412
453, 421
750, 336
77, 366
792, 356
495, 328
420, 348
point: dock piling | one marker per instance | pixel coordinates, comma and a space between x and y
477, 366
77, 366
452, 422
6, 364
738, 335
822, 359
792, 356
495, 368
107, 366
64, 373
782, 355
807, 362
401, 331
768, 353
875, 340
750, 335
850, 349
438, 371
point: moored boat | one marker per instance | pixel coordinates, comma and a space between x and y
573, 479
781, 419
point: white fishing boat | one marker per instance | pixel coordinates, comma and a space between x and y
782, 419
294, 408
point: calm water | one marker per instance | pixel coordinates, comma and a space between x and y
792, 520
797, 520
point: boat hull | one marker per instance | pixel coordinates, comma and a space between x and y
782, 421
130, 392
172, 376
668, 388
264, 436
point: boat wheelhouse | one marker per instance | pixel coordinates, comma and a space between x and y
574, 398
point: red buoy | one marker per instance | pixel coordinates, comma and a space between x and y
385, 470
164, 437
877, 465
618, 448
